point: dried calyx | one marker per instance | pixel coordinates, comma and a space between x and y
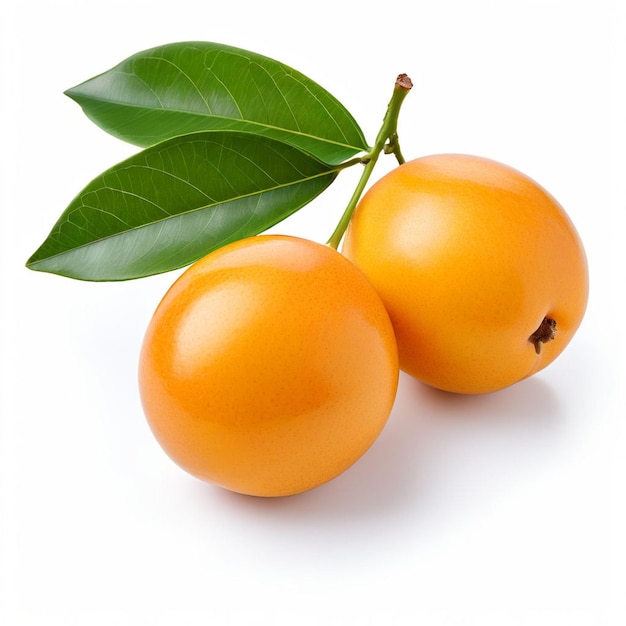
546, 332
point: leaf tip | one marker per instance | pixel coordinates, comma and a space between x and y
70, 93
31, 263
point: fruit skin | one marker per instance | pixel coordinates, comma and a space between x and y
469, 256
269, 367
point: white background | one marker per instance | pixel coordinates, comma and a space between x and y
500, 510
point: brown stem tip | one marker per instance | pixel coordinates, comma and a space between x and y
546, 332
404, 82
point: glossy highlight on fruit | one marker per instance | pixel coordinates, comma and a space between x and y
481, 270
269, 367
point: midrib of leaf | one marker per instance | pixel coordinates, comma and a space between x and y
169, 215
235, 120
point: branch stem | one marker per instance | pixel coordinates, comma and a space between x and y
387, 142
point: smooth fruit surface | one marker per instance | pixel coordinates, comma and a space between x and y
470, 256
269, 367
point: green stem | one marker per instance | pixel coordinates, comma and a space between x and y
387, 142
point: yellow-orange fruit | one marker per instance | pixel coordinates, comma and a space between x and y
269, 367
482, 272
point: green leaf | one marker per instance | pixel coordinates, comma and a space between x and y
174, 202
193, 86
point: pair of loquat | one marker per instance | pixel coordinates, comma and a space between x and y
271, 365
